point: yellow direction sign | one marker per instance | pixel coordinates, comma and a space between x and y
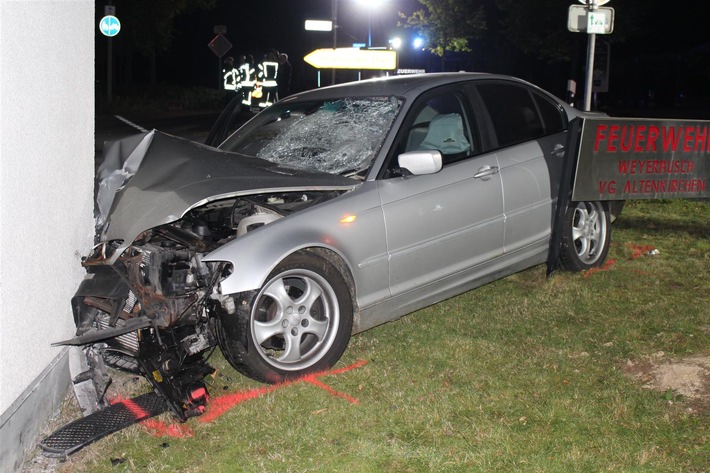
353, 58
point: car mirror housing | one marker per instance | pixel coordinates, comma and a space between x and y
421, 162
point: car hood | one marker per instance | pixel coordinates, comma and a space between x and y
153, 178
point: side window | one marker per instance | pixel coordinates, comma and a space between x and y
512, 111
553, 119
440, 123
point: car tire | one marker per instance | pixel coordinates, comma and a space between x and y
586, 236
298, 323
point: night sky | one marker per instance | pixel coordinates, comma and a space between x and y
667, 54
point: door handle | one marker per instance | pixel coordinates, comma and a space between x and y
485, 172
559, 150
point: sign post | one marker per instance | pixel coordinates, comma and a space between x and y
591, 44
109, 27
219, 45
593, 20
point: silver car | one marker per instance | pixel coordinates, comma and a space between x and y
329, 213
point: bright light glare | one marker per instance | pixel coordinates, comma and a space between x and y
319, 25
417, 42
396, 43
371, 3
348, 219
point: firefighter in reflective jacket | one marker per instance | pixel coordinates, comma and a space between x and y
246, 80
268, 70
231, 77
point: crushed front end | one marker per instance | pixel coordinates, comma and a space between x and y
149, 312
150, 303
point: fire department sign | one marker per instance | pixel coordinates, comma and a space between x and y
625, 158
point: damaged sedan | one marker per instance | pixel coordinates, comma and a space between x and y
329, 213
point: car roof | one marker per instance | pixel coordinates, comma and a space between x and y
398, 85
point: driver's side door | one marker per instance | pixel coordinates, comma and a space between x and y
443, 227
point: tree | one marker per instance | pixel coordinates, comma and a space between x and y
148, 26
447, 25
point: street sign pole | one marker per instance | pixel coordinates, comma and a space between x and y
334, 14
109, 11
591, 45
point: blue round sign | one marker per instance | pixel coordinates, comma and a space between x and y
109, 25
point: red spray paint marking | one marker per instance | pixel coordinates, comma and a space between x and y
606, 266
639, 250
222, 404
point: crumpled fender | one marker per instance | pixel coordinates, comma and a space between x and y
361, 244
255, 255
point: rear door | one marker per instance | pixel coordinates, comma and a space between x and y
526, 129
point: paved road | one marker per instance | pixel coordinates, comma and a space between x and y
191, 125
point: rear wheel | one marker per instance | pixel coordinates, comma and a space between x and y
299, 322
586, 236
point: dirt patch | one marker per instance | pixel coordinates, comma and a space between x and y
686, 377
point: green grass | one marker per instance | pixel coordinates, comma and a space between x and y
524, 374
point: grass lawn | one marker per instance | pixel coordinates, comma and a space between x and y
600, 371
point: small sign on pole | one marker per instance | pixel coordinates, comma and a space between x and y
109, 26
579, 18
596, 22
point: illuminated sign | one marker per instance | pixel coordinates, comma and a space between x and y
353, 58
627, 158
109, 26
319, 25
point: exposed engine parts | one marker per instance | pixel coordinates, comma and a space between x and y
154, 309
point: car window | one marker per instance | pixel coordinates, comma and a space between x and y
339, 136
512, 111
553, 118
440, 123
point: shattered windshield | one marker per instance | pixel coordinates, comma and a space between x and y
338, 136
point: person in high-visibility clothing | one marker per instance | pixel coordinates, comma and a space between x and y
247, 80
230, 74
268, 72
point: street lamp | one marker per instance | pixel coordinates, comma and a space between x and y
370, 4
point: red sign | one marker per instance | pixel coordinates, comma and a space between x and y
624, 158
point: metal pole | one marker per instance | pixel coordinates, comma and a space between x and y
109, 71
334, 14
109, 64
591, 45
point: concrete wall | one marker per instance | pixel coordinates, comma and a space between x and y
46, 191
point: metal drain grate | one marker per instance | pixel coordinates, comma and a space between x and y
80, 433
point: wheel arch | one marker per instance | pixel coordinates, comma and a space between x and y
254, 258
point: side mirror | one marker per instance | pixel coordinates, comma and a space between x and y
421, 162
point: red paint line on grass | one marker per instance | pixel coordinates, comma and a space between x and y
222, 404
606, 266
332, 391
638, 250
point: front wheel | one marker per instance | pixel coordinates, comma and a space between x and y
586, 236
299, 322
